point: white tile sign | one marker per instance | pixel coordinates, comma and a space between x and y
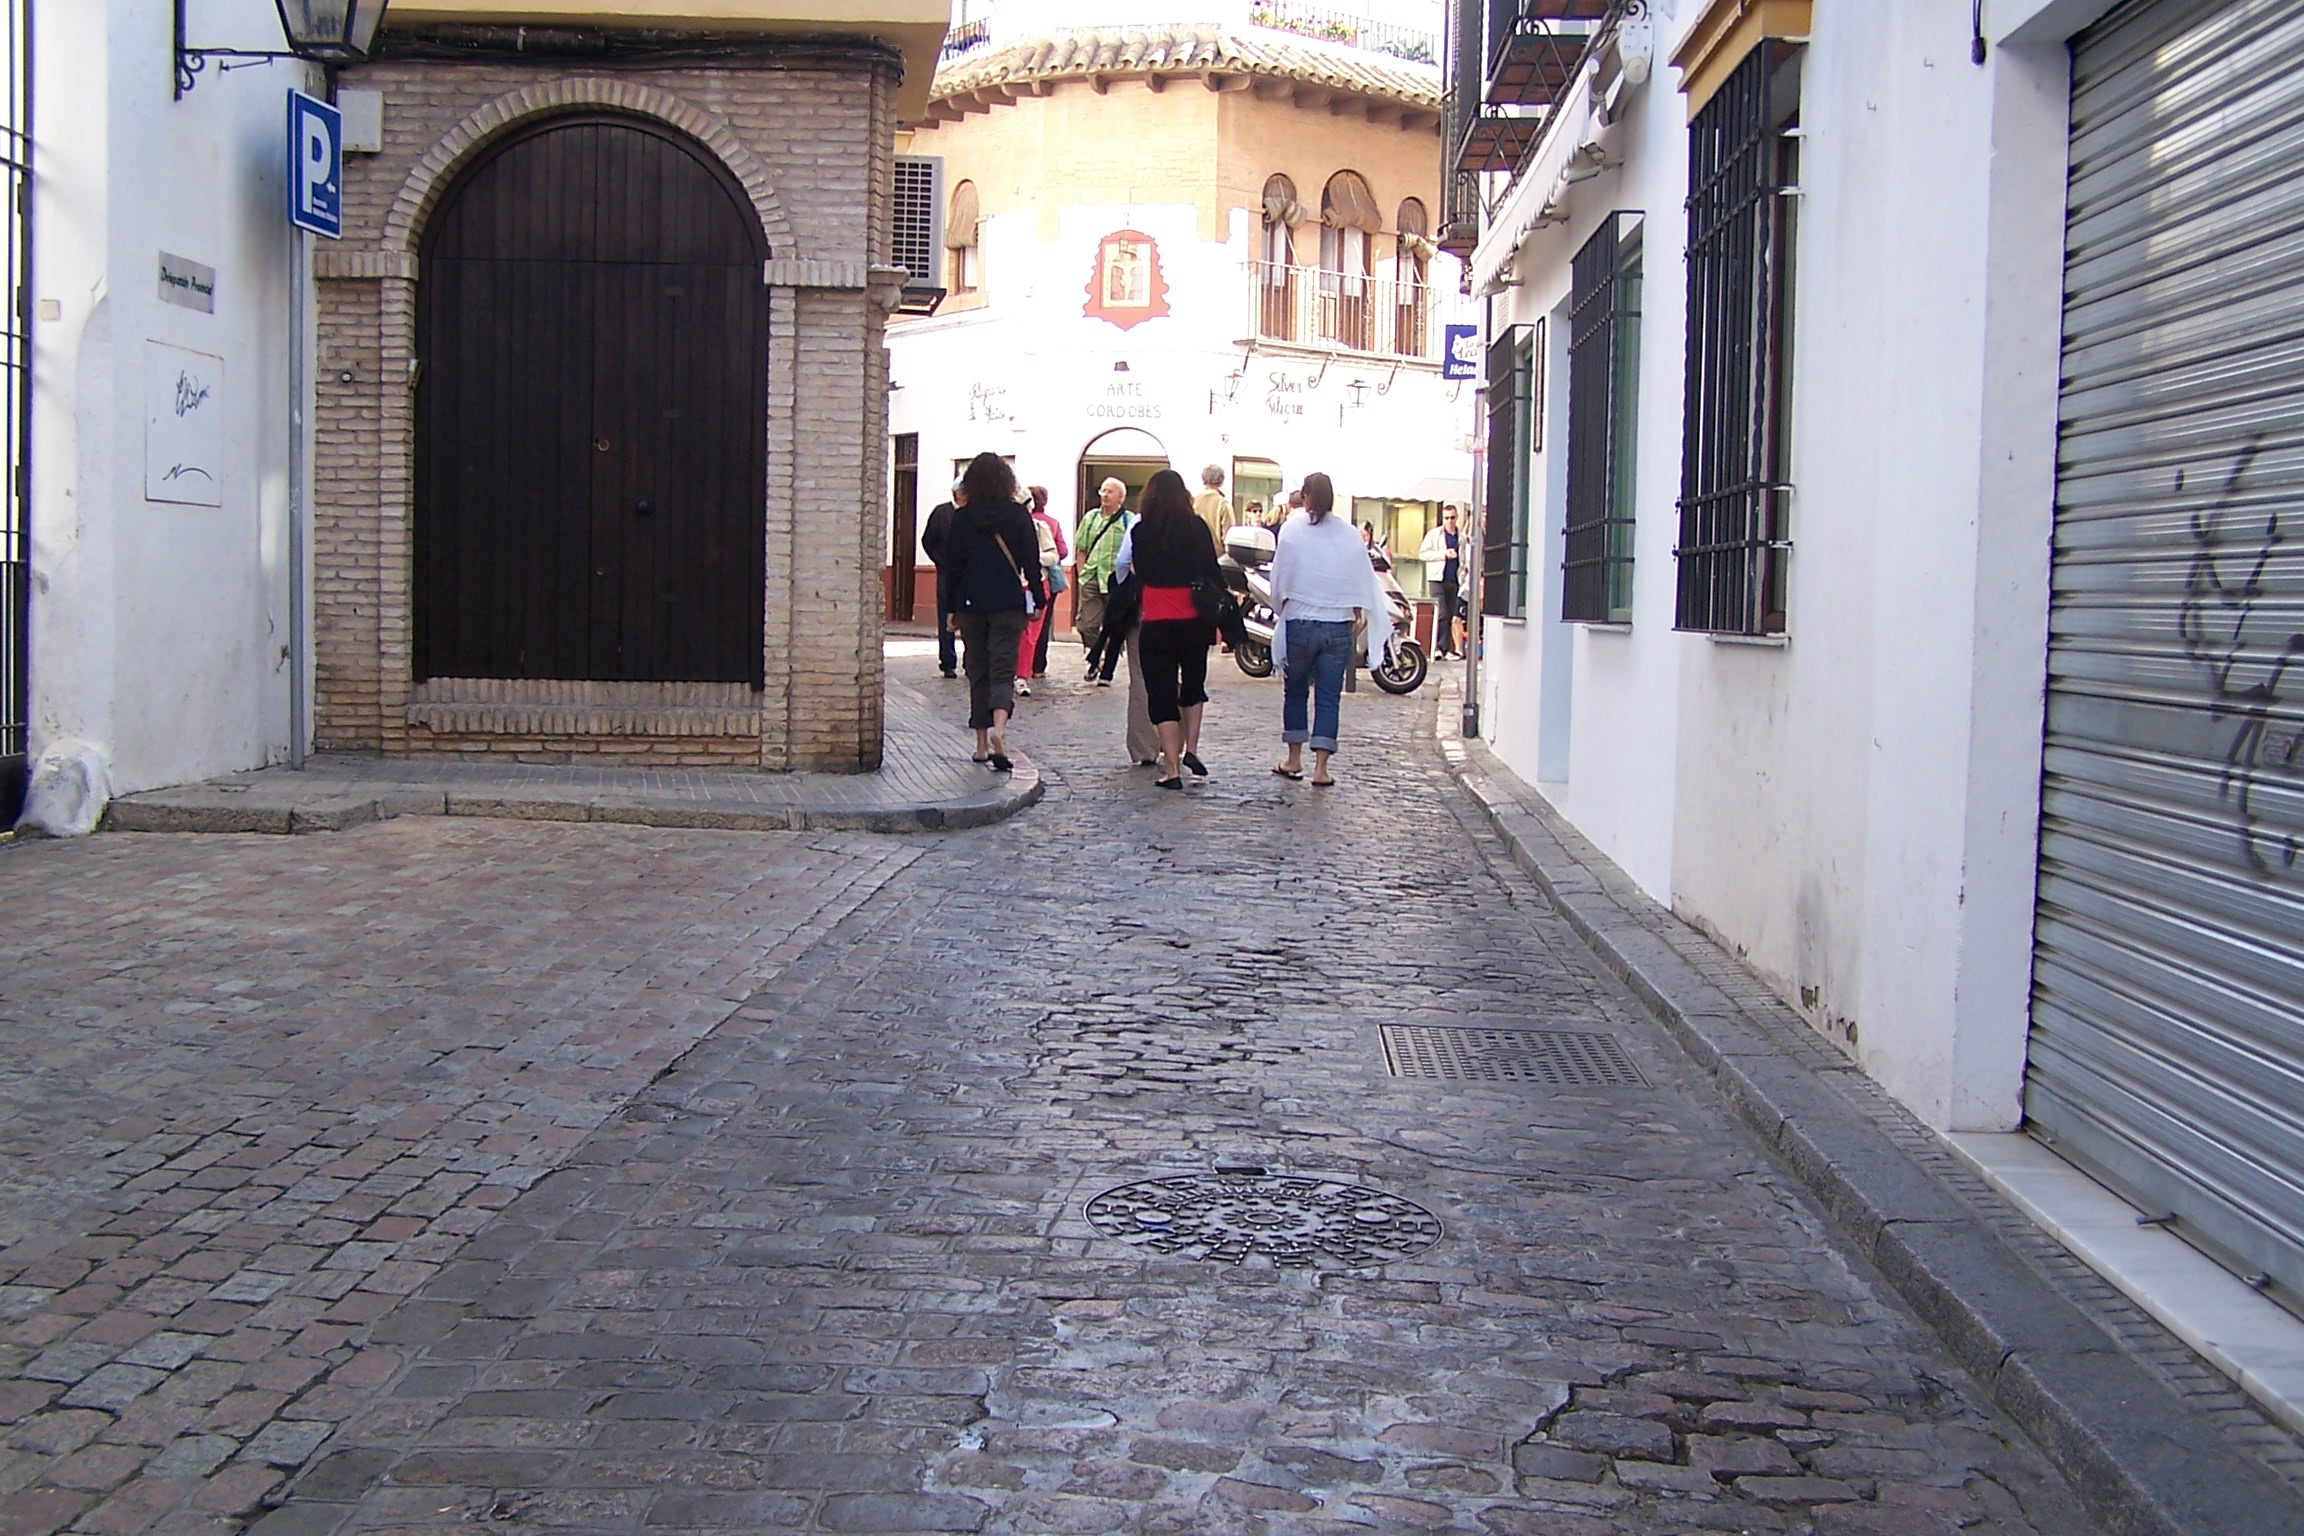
183, 426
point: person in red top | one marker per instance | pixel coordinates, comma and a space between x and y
1168, 551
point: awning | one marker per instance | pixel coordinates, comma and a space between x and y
960, 228
1431, 488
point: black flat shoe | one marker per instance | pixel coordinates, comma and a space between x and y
999, 762
1176, 783
1192, 761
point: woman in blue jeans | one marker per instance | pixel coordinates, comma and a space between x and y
1323, 588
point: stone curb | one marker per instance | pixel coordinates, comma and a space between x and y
195, 810
2140, 1460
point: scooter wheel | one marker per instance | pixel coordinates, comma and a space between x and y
1254, 656
1406, 672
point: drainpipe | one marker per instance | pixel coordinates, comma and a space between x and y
1475, 539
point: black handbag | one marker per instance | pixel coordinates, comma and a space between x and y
1216, 605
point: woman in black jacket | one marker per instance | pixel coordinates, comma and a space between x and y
995, 570
1170, 551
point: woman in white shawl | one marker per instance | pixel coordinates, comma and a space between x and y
1323, 588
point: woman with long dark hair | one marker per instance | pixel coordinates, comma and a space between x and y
996, 584
1323, 588
1170, 551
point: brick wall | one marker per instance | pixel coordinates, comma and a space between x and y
810, 140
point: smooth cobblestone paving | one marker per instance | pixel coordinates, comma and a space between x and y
833, 1267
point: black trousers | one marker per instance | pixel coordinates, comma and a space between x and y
1444, 617
1175, 657
947, 644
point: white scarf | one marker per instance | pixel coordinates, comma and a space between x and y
1324, 565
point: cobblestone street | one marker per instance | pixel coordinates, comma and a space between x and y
457, 1175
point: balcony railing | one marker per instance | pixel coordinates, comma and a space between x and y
1312, 307
1337, 26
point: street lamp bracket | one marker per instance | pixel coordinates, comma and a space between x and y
317, 31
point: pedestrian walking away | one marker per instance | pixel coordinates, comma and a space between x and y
1171, 552
1212, 506
936, 544
1323, 589
996, 586
1098, 546
1053, 531
1442, 552
1048, 551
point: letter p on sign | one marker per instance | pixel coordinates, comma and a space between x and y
315, 166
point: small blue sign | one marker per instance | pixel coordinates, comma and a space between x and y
1462, 359
315, 166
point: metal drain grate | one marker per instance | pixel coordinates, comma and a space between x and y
1558, 1058
1244, 1215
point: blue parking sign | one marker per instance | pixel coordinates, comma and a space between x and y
315, 166
1461, 360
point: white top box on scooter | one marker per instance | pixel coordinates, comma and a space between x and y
1250, 545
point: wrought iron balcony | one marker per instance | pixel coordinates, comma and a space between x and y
1535, 46
1339, 311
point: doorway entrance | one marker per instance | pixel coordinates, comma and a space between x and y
1127, 455
591, 435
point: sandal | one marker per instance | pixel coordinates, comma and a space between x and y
1323, 783
1289, 773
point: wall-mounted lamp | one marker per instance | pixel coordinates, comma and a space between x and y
321, 31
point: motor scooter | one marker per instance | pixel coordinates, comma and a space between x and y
1246, 564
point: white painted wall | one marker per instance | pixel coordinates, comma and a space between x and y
1031, 375
159, 632
1855, 810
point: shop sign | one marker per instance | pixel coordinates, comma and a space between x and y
1461, 359
1283, 396
1124, 402
987, 402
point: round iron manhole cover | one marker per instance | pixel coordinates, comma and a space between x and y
1289, 1222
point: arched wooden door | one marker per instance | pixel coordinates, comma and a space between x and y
592, 330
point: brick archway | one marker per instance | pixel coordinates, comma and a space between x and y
437, 169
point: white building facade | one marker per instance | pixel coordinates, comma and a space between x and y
159, 633
1890, 555
1214, 303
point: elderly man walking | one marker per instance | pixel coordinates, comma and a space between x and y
1095, 545
1213, 506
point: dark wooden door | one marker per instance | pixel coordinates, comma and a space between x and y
591, 414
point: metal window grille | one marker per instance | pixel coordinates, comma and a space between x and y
1742, 167
1511, 439
16, 407
1603, 393
919, 218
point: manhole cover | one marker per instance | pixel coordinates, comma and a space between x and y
1287, 1221
1557, 1057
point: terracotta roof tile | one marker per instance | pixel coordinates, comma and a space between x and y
1192, 50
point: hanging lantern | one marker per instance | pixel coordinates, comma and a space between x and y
332, 31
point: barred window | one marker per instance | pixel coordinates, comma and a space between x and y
1512, 406
1603, 423
1743, 162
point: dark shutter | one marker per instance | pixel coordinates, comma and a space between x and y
1733, 449
1603, 384
1504, 515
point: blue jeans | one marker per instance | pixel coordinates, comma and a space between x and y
1318, 652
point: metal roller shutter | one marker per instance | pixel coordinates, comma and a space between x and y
2167, 1045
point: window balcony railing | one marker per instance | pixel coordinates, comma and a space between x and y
1340, 311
